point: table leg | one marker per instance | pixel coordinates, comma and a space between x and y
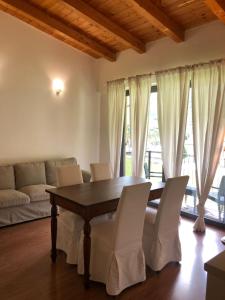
53, 230
223, 240
87, 252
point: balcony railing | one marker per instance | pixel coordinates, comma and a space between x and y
153, 168
153, 165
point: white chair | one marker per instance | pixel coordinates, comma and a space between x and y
161, 241
70, 225
100, 171
117, 257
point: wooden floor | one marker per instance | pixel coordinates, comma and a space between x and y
26, 271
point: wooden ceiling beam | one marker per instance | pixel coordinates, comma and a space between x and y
94, 16
218, 8
158, 19
35, 14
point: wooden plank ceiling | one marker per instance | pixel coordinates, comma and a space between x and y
102, 28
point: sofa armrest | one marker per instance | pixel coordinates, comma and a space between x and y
86, 175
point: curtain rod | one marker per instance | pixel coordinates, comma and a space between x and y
175, 68
191, 66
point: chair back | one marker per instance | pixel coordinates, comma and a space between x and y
100, 171
68, 175
129, 219
167, 218
221, 192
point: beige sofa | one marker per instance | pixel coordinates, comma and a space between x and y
22, 189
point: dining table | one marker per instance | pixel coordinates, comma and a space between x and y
90, 200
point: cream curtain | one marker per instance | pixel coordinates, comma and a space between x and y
140, 88
116, 110
208, 109
173, 92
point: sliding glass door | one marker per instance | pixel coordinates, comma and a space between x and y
153, 168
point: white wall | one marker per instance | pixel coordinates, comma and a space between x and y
201, 45
34, 123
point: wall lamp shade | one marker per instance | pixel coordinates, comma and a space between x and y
58, 86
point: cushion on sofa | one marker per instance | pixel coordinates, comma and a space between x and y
29, 174
51, 165
37, 192
7, 178
9, 197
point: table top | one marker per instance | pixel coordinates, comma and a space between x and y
92, 193
216, 265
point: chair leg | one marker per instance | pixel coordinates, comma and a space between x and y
223, 209
219, 211
194, 203
155, 272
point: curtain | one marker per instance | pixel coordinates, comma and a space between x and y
140, 89
173, 92
208, 112
116, 110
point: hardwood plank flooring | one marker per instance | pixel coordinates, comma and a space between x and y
28, 274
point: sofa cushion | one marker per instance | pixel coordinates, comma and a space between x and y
51, 165
29, 174
37, 192
10, 198
7, 178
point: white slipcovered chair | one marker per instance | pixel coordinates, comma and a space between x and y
117, 257
100, 171
161, 241
70, 225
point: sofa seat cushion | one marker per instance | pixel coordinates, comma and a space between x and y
37, 192
9, 198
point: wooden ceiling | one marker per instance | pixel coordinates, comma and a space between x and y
102, 28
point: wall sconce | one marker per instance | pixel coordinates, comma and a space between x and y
58, 86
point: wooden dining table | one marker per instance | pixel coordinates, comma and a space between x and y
90, 200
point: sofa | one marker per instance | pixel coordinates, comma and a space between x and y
22, 189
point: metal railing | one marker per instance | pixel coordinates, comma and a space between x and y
149, 171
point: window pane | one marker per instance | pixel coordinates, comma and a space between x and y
214, 206
128, 147
215, 202
188, 164
153, 159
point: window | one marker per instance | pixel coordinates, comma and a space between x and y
127, 138
188, 164
214, 206
153, 159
